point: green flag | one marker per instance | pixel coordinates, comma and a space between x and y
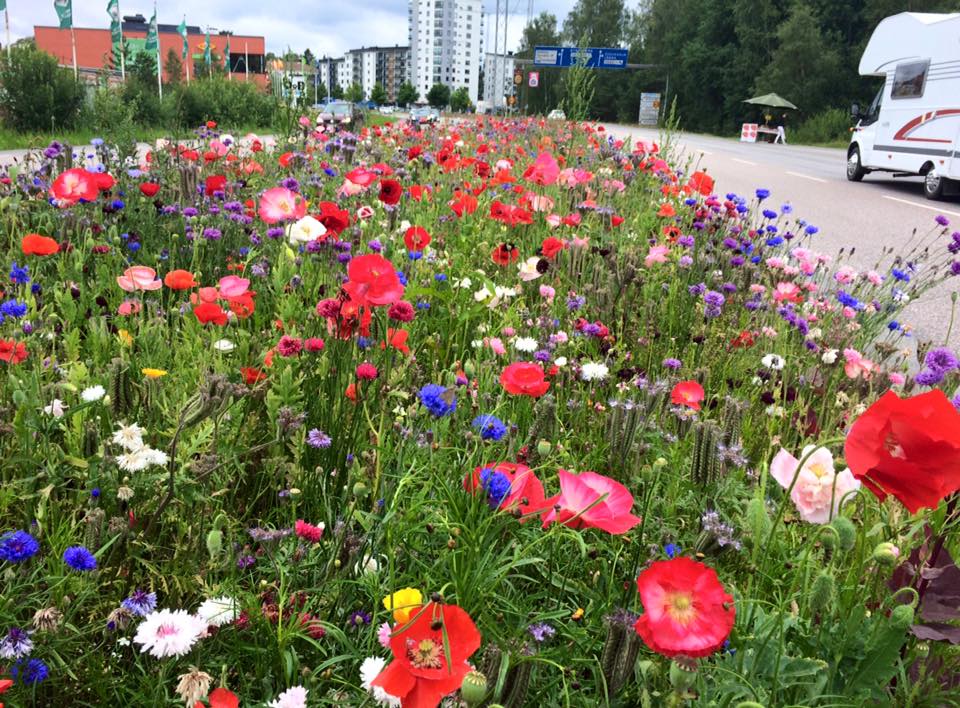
116, 32
153, 40
64, 10
207, 57
3, 5
226, 56
182, 30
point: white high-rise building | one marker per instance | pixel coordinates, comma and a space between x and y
446, 44
498, 79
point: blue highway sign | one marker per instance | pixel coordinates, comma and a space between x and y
591, 57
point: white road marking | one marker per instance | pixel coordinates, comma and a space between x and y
815, 179
744, 162
922, 206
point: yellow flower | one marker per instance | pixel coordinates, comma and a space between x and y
403, 603
125, 338
153, 373
577, 614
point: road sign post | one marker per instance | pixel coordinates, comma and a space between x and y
534, 79
590, 57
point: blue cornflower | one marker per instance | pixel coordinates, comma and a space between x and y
774, 241
402, 277
95, 492
893, 326
18, 546
414, 255
16, 644
440, 277
848, 300
490, 427
363, 342
79, 558
810, 230
141, 603
29, 671
762, 194
786, 209
672, 550
134, 246
423, 305
496, 485
433, 397
13, 308
18, 275
900, 275
769, 214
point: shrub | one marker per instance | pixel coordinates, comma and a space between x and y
36, 93
228, 102
830, 125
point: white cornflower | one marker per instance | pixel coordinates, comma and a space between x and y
482, 294
155, 457
560, 361
773, 361
295, 697
369, 670
130, 437
194, 685
218, 611
525, 344
224, 345
165, 633
56, 408
593, 371
94, 393
829, 356
135, 461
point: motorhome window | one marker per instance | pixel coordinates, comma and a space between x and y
908, 80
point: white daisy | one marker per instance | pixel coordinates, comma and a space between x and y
218, 611
295, 697
166, 633
94, 393
129, 436
525, 344
594, 371
773, 361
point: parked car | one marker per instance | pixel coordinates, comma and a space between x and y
912, 126
388, 110
424, 115
339, 114
556, 114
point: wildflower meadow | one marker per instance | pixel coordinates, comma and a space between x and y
489, 413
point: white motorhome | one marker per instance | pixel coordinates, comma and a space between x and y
912, 127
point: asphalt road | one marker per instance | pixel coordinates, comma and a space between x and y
880, 212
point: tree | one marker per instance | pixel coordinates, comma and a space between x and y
378, 94
173, 67
407, 94
37, 94
599, 23
308, 57
336, 92
542, 30
460, 100
354, 94
439, 96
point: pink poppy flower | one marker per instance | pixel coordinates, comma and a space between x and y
818, 491
591, 500
540, 202
496, 344
206, 295
281, 204
857, 364
364, 213
350, 189
129, 307
361, 177
656, 254
544, 170
139, 278
233, 286
553, 220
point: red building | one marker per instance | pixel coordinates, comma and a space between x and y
95, 49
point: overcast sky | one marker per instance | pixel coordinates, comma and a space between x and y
325, 26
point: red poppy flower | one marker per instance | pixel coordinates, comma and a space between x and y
430, 655
12, 352
215, 183
524, 379
505, 254
242, 305
687, 393
701, 182
149, 189
104, 181
508, 214
414, 152
251, 375
361, 176
667, 210
333, 217
210, 312
907, 447
687, 611
552, 246
179, 280
420, 192
397, 338
464, 203
526, 491
390, 191
373, 281
591, 500
74, 185
416, 238
37, 245
220, 698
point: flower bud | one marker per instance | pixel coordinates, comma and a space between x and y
847, 532
758, 520
902, 616
214, 543
360, 489
822, 592
886, 553
544, 447
474, 688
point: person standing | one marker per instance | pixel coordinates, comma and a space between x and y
781, 130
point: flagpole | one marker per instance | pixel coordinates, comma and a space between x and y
123, 70
159, 58
6, 19
73, 46
246, 62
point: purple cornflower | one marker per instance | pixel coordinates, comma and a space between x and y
16, 644
929, 377
359, 619
941, 360
942, 220
318, 438
212, 234
262, 535
140, 603
672, 364
245, 561
713, 302
541, 631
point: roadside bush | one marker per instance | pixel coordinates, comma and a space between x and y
825, 127
227, 102
36, 93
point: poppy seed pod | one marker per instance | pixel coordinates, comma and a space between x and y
902, 616
474, 688
214, 543
822, 593
681, 676
846, 531
886, 553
